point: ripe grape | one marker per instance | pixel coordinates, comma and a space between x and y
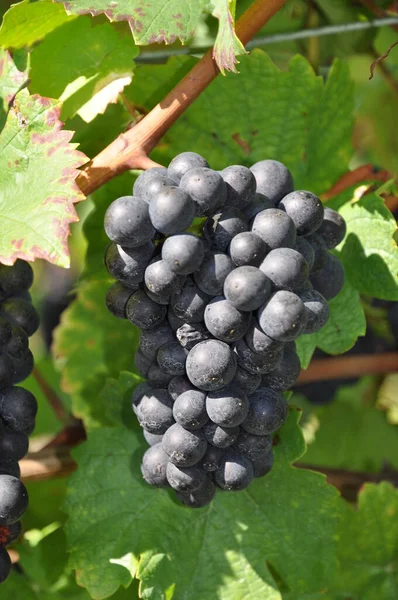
221, 228
206, 188
5, 564
184, 448
241, 186
183, 253
235, 472
185, 479
333, 228
247, 288
171, 210
200, 497
127, 222
329, 280
189, 409
305, 209
211, 365
154, 466
273, 179
275, 228
227, 407
18, 408
224, 321
247, 248
286, 372
189, 304
212, 272
128, 265
144, 312
184, 162
220, 436
116, 299
152, 339
155, 411
13, 499
171, 358
285, 268
284, 317
267, 412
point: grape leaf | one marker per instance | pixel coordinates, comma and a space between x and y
159, 21
11, 81
366, 441
90, 345
132, 530
369, 252
87, 75
367, 545
27, 22
39, 168
342, 329
17, 586
116, 396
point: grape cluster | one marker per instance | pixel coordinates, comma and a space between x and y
219, 312
18, 407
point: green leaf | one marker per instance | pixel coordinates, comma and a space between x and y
91, 345
43, 554
369, 252
84, 65
366, 441
17, 586
11, 81
39, 167
116, 396
342, 329
27, 22
159, 21
132, 530
368, 545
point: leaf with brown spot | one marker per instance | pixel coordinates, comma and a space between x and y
11, 81
39, 166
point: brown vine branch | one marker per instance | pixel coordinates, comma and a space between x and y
359, 175
53, 400
130, 150
341, 367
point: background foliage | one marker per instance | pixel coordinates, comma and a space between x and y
308, 103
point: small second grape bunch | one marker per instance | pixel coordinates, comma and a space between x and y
18, 406
221, 271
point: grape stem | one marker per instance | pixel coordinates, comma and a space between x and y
340, 367
362, 174
130, 149
53, 400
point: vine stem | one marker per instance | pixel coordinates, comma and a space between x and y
130, 149
341, 367
53, 400
359, 175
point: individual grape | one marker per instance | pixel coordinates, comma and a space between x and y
6, 371
142, 181
227, 407
224, 321
273, 179
14, 444
11, 533
320, 251
189, 335
184, 162
248, 382
206, 188
333, 228
139, 392
152, 438
15, 279
158, 298
22, 367
223, 226
161, 281
183, 253
212, 459
159, 377
247, 288
267, 412
275, 228
317, 310
189, 409
18, 408
171, 358
200, 497
13, 499
5, 564
263, 464
219, 436
247, 248
305, 209
29, 430
127, 222
20, 313
284, 317
171, 210
155, 411
306, 250
144, 312
211, 365
253, 446
259, 204
174, 321
286, 268
152, 339
6, 332
185, 479
189, 304
241, 186
142, 363
261, 343
116, 299
154, 466
235, 472
178, 385
212, 272
286, 372
253, 362
9, 466
329, 280
154, 186
128, 265
184, 448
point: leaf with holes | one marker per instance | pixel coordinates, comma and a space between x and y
38, 189
239, 545
159, 21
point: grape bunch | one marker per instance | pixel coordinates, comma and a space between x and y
221, 271
18, 407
